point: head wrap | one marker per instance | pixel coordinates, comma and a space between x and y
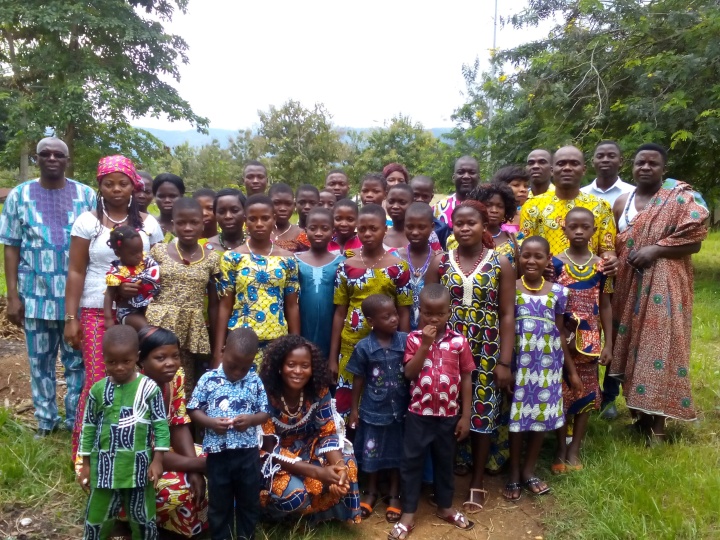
396, 167
121, 164
487, 239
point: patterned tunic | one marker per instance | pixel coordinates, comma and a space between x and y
352, 286
443, 210
147, 274
120, 421
537, 403
475, 313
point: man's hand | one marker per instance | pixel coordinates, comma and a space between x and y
462, 429
610, 264
15, 310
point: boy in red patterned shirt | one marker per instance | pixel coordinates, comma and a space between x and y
439, 363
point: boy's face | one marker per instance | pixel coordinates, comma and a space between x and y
338, 184
120, 362
435, 312
306, 201
397, 203
130, 251
579, 229
284, 204
145, 197
327, 200
385, 320
418, 229
208, 216
236, 365
255, 179
422, 191
372, 191
188, 224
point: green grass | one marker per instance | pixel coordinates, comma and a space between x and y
3, 285
627, 491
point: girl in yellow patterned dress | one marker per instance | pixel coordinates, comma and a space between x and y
258, 283
372, 271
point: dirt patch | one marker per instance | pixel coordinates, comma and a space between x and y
18, 523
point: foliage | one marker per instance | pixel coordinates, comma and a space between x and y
629, 70
83, 71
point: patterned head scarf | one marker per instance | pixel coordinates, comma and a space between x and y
121, 164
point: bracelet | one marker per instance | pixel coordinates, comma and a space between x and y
341, 460
69, 317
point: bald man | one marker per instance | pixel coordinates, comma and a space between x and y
539, 167
544, 215
466, 176
35, 227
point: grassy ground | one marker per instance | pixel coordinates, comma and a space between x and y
626, 491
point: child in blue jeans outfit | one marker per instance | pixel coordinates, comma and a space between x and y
377, 364
230, 403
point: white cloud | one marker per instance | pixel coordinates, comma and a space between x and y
366, 61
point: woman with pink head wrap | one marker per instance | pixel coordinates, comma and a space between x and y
90, 260
395, 173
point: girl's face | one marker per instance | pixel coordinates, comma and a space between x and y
327, 200
534, 258
371, 231
116, 190
520, 189
260, 221
306, 201
229, 214
579, 229
345, 219
372, 191
395, 178
208, 215
319, 231
397, 203
418, 230
130, 251
145, 197
166, 196
188, 225
468, 227
284, 204
496, 210
162, 363
296, 370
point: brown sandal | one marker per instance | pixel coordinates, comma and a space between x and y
458, 520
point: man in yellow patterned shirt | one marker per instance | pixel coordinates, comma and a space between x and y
544, 215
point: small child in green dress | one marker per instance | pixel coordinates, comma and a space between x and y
124, 412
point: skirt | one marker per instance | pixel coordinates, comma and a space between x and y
379, 447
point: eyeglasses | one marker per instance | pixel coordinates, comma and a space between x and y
45, 154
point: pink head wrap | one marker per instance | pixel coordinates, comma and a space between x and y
121, 164
396, 167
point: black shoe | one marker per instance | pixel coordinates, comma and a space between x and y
41, 433
610, 412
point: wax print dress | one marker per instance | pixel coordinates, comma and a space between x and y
537, 403
306, 437
352, 286
317, 285
582, 321
146, 274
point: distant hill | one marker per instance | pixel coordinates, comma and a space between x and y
173, 138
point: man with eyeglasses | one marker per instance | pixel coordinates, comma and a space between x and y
35, 227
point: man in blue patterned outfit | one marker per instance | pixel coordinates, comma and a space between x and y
35, 228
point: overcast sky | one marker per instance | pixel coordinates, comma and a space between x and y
366, 61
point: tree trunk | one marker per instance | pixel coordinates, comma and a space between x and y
70, 141
24, 153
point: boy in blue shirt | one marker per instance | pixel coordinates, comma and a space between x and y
230, 403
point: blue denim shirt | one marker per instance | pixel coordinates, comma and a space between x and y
387, 392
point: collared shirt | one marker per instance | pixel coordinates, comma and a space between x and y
611, 193
39, 221
550, 189
544, 216
436, 389
443, 210
385, 396
218, 397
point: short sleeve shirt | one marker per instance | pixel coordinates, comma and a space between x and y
39, 221
219, 397
436, 389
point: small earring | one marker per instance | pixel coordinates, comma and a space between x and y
130, 201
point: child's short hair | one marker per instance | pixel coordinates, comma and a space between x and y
120, 334
307, 188
536, 240
320, 211
185, 203
229, 192
259, 198
169, 178
120, 235
434, 291
243, 341
374, 177
423, 179
346, 203
373, 209
402, 187
580, 210
152, 337
326, 191
336, 171
204, 192
281, 188
373, 303
420, 209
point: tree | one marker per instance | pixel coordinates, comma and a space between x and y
83, 70
299, 143
629, 70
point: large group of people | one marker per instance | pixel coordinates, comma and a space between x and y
310, 354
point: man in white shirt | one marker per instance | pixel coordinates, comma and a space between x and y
606, 161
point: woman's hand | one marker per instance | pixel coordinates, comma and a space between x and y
606, 356
610, 264
576, 385
503, 377
333, 367
129, 290
331, 474
197, 487
73, 334
643, 257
